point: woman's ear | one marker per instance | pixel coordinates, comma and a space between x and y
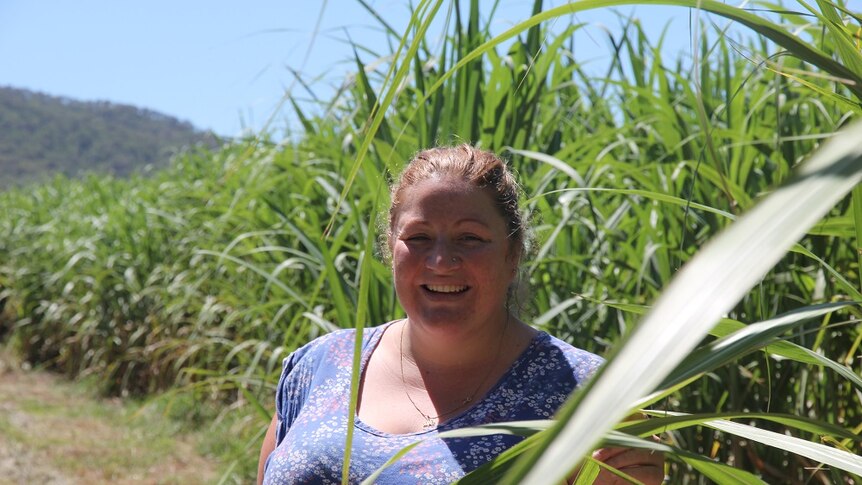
514, 257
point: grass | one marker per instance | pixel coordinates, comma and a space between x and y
80, 437
203, 277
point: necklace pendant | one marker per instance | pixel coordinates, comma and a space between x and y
429, 424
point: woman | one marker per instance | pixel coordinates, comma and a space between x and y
460, 358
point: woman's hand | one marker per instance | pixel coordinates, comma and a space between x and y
644, 465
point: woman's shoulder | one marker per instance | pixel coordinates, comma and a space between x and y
557, 353
338, 344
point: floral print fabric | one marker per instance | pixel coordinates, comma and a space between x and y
312, 401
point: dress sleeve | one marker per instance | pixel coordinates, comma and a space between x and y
291, 391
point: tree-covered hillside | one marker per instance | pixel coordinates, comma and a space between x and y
41, 135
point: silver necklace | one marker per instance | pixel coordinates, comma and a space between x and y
431, 421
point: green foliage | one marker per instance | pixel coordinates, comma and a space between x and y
206, 275
42, 135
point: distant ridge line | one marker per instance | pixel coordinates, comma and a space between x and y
42, 135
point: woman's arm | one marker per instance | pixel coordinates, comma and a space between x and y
647, 466
644, 465
266, 448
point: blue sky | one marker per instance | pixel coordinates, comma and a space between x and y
224, 65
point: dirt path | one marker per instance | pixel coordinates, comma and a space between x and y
54, 432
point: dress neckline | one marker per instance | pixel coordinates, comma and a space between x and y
371, 346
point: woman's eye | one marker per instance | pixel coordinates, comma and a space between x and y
471, 238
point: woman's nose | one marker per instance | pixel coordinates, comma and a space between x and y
443, 257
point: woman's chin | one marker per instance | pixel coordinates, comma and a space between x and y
444, 323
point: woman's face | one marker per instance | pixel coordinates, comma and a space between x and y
452, 261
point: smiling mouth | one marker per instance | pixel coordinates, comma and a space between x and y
446, 288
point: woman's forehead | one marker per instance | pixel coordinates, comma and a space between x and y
449, 193
454, 220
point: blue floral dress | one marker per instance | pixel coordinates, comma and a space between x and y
314, 393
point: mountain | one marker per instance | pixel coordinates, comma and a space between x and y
42, 135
